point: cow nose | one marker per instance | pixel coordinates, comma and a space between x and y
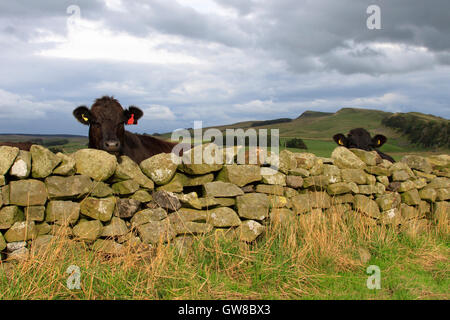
112, 144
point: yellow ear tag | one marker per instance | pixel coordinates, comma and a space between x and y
340, 142
378, 142
84, 117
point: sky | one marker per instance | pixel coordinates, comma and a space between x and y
219, 61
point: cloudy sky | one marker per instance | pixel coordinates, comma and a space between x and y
218, 61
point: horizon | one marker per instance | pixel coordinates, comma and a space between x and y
218, 61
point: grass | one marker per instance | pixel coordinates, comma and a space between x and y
310, 256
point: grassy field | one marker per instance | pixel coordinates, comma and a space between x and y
311, 257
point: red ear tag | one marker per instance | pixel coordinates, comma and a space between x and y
131, 120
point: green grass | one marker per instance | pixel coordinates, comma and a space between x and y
311, 257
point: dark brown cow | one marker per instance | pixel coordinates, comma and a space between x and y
360, 138
21, 145
107, 120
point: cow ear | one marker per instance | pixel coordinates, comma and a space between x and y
340, 139
132, 115
378, 140
82, 114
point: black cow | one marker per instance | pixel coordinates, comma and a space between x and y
107, 120
360, 138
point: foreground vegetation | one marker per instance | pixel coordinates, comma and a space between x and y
308, 257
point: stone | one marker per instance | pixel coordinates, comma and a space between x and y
249, 230
43, 228
378, 171
35, 213
7, 157
223, 217
277, 201
316, 181
9, 215
28, 192
147, 215
222, 202
424, 208
193, 181
282, 216
2, 242
408, 212
345, 198
344, 158
426, 176
420, 183
166, 200
303, 203
371, 158
389, 201
271, 176
108, 246
357, 176
240, 175
221, 189
155, 231
13, 246
391, 217
406, 186
438, 183
42, 244
299, 172
101, 190
88, 230
186, 214
428, 194
367, 206
126, 208
400, 175
442, 194
287, 162
305, 160
418, 163
270, 189
5, 195
411, 197
190, 227
370, 179
339, 188
127, 169
62, 212
195, 165
384, 180
175, 185
126, 187
161, 167
21, 231
97, 164
100, 209
66, 166
332, 172
253, 206
115, 228
19, 255
191, 200
294, 181
68, 187
61, 231
441, 213
142, 196
21, 167
44, 161
367, 189
439, 161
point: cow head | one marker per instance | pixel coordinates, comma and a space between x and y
359, 138
106, 120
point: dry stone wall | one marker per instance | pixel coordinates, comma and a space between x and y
91, 196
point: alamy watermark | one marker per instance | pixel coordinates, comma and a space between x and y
74, 279
373, 22
223, 149
374, 280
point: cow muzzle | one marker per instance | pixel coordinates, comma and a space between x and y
112, 145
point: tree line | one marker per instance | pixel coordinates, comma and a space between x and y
428, 134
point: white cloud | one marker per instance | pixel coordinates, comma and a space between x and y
158, 112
